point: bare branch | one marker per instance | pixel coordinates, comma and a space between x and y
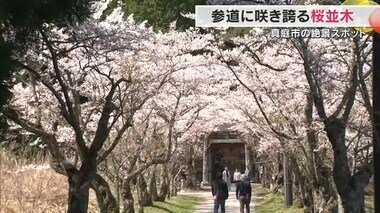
102, 130
72, 116
114, 142
315, 90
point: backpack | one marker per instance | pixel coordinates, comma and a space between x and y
219, 192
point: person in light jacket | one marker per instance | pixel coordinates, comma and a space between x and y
226, 177
247, 173
237, 176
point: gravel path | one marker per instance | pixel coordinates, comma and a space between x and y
232, 205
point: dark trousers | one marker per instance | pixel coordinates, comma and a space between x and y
244, 202
222, 204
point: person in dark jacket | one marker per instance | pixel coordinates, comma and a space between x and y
243, 193
219, 189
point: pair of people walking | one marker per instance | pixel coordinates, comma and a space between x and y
220, 194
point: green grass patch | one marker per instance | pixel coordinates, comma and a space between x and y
272, 203
261, 192
369, 198
370, 204
180, 204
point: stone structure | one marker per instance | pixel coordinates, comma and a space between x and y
221, 149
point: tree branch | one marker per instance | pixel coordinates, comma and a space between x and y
315, 92
114, 142
102, 130
72, 115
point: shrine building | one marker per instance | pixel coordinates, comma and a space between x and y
223, 149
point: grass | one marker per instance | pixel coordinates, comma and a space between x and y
370, 204
261, 192
178, 204
31, 188
272, 203
370, 198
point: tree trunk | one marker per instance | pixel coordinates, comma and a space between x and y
287, 182
354, 200
302, 181
256, 172
164, 188
190, 182
168, 194
263, 177
140, 206
320, 191
173, 188
271, 175
128, 202
376, 113
278, 182
145, 198
350, 188
140, 192
257, 177
78, 194
118, 188
303, 196
106, 201
340, 207
79, 186
152, 187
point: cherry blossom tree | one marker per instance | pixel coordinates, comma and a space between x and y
331, 81
88, 88
128, 102
350, 186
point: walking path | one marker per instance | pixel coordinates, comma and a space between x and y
232, 205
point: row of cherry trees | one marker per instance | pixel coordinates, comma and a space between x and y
118, 105
110, 100
309, 99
